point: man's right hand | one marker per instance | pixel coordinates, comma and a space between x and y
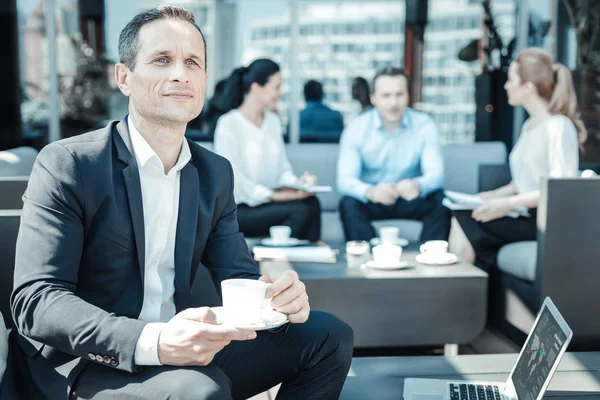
193, 337
289, 195
383, 193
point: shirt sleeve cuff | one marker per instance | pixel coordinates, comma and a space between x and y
260, 194
146, 349
288, 178
424, 188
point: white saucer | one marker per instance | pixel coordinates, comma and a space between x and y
374, 265
437, 259
283, 243
399, 242
270, 319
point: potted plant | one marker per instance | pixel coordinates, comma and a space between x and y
584, 16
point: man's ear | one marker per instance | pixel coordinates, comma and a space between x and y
122, 78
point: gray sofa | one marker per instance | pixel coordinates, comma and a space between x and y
461, 161
561, 263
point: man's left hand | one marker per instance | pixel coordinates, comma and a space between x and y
289, 296
408, 189
492, 209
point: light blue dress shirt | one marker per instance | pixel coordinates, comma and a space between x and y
370, 155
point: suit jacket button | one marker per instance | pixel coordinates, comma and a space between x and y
114, 362
91, 356
106, 359
99, 358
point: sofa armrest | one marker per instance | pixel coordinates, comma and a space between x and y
493, 176
568, 251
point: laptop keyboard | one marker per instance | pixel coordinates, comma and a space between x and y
469, 391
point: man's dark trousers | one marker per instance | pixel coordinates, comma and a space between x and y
357, 216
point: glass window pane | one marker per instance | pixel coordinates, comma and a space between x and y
357, 39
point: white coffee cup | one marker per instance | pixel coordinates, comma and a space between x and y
389, 234
434, 247
243, 300
387, 255
280, 233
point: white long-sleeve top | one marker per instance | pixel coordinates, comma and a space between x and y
257, 155
548, 150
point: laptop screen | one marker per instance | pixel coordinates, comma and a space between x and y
540, 352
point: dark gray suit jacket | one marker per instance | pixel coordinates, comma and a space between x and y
79, 273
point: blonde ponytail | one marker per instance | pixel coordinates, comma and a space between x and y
564, 99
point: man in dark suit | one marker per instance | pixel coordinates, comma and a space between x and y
319, 123
121, 231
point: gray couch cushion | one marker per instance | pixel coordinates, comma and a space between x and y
519, 260
17, 162
461, 162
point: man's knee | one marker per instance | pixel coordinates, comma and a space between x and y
349, 205
333, 330
208, 383
313, 204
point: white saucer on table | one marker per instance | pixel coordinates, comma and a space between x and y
398, 242
437, 259
270, 319
374, 265
290, 242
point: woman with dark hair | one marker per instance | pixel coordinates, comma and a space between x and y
361, 93
548, 146
250, 136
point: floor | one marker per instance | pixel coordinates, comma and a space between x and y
489, 342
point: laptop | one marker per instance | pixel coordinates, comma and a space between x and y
529, 378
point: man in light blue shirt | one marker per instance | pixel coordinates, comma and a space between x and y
390, 164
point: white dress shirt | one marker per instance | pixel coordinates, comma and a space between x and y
257, 155
160, 199
548, 150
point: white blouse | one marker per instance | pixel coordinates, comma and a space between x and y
257, 155
550, 150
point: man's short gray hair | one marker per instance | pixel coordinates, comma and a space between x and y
129, 37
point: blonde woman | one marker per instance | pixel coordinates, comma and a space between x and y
548, 146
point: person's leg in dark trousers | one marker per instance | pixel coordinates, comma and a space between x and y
310, 359
436, 218
302, 216
357, 216
356, 219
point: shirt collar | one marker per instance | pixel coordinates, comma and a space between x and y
404, 122
144, 152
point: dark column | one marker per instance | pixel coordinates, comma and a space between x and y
416, 20
91, 18
10, 99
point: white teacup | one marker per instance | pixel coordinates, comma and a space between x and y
243, 300
389, 234
434, 247
387, 255
280, 233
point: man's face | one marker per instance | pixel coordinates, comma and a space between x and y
168, 81
390, 97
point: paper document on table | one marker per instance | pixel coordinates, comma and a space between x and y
309, 188
322, 254
464, 201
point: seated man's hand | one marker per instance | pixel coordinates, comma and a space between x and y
289, 195
193, 337
408, 189
289, 296
383, 193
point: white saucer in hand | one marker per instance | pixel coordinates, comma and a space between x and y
437, 258
269, 319
398, 265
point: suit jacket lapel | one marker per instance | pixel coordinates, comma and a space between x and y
187, 221
133, 185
